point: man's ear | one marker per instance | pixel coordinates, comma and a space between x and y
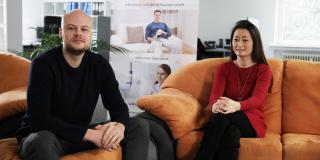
60, 33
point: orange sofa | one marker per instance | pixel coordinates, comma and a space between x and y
292, 110
14, 71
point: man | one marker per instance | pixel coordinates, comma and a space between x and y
157, 33
64, 86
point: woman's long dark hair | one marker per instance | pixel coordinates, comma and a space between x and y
257, 50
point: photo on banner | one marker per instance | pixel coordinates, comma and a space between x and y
155, 33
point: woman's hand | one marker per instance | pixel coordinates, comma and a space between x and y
217, 107
226, 105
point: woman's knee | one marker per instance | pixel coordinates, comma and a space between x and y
218, 118
232, 136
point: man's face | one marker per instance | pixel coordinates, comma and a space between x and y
157, 16
76, 32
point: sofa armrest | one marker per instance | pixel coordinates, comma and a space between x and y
13, 102
95, 154
179, 110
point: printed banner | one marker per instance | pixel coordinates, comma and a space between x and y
159, 36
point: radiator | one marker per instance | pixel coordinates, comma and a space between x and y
305, 54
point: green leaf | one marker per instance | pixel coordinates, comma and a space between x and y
49, 41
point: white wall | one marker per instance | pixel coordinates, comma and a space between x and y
217, 17
186, 28
14, 23
31, 17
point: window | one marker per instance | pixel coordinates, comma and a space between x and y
298, 23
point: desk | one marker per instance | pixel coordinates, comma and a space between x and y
215, 53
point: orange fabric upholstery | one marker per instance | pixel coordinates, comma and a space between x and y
301, 146
13, 81
8, 149
195, 78
301, 97
291, 106
13, 102
188, 145
180, 110
14, 71
266, 148
273, 102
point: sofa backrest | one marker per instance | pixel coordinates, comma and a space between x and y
301, 97
273, 102
14, 71
122, 30
196, 79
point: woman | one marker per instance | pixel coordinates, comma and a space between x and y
163, 72
239, 89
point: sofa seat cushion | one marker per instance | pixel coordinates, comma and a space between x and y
301, 146
266, 148
13, 102
8, 149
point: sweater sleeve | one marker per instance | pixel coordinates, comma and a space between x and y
111, 96
219, 84
260, 90
167, 30
39, 109
148, 32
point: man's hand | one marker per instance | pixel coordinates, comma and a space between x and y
94, 136
160, 32
113, 133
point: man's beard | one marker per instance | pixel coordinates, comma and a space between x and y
75, 51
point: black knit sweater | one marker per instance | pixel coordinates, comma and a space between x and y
61, 99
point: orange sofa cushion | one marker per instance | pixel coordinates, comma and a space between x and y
273, 102
181, 112
266, 148
195, 78
301, 146
8, 149
14, 71
301, 97
13, 102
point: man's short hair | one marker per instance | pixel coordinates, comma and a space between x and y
156, 11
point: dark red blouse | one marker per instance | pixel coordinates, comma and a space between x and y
227, 84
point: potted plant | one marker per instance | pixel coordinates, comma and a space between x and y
50, 40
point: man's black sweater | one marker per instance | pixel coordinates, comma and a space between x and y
61, 99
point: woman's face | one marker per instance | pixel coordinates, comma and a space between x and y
242, 43
161, 75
